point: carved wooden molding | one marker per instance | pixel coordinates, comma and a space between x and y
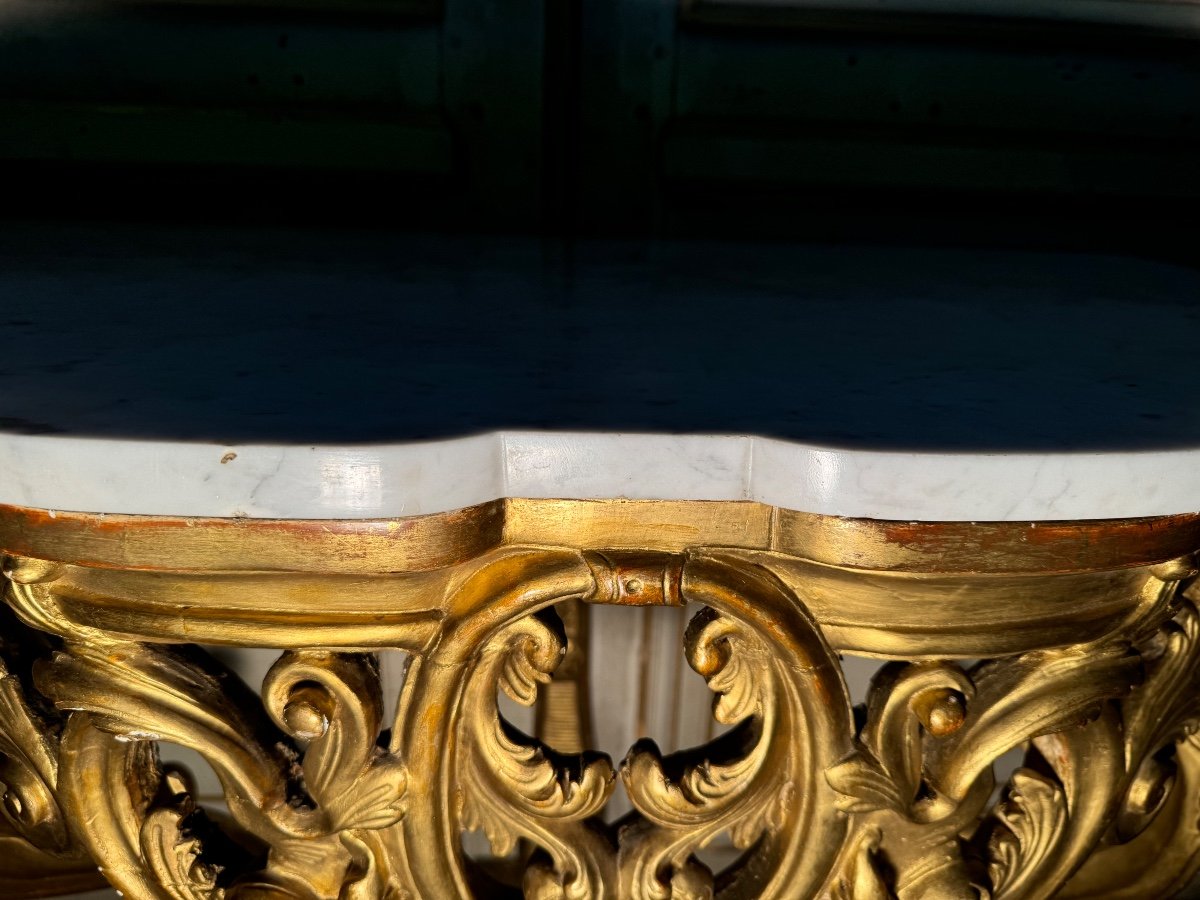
1093, 669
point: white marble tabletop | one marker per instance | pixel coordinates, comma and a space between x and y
291, 374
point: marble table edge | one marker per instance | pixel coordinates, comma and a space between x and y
101, 475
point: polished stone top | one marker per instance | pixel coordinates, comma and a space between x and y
280, 374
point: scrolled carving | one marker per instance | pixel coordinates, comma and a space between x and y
1152, 824
691, 798
890, 804
40, 853
29, 767
1033, 815
886, 771
172, 849
332, 702
28, 583
468, 768
778, 684
886, 785
28, 733
922, 772
512, 786
300, 807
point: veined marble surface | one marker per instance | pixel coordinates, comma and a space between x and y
301, 375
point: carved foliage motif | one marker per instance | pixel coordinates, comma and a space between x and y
303, 779
322, 802
779, 688
512, 787
40, 853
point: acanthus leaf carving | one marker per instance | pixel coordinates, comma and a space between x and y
1151, 827
141, 693
896, 811
173, 853
332, 702
297, 804
692, 796
1168, 708
906, 704
885, 784
863, 786
922, 772
29, 767
778, 685
1033, 815
37, 843
513, 786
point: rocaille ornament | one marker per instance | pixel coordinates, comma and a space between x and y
1086, 657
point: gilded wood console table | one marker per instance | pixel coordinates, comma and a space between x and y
980, 469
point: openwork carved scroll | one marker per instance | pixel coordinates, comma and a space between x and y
322, 800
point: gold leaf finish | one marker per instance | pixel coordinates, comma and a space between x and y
1077, 644
1034, 812
778, 683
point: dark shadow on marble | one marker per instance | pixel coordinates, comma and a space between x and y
302, 337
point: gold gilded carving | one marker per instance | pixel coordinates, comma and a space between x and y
1032, 816
778, 685
1093, 671
385, 584
468, 768
637, 579
511, 786
305, 791
40, 854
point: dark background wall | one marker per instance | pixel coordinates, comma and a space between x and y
1046, 124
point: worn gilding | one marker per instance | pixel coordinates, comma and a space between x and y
1085, 634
